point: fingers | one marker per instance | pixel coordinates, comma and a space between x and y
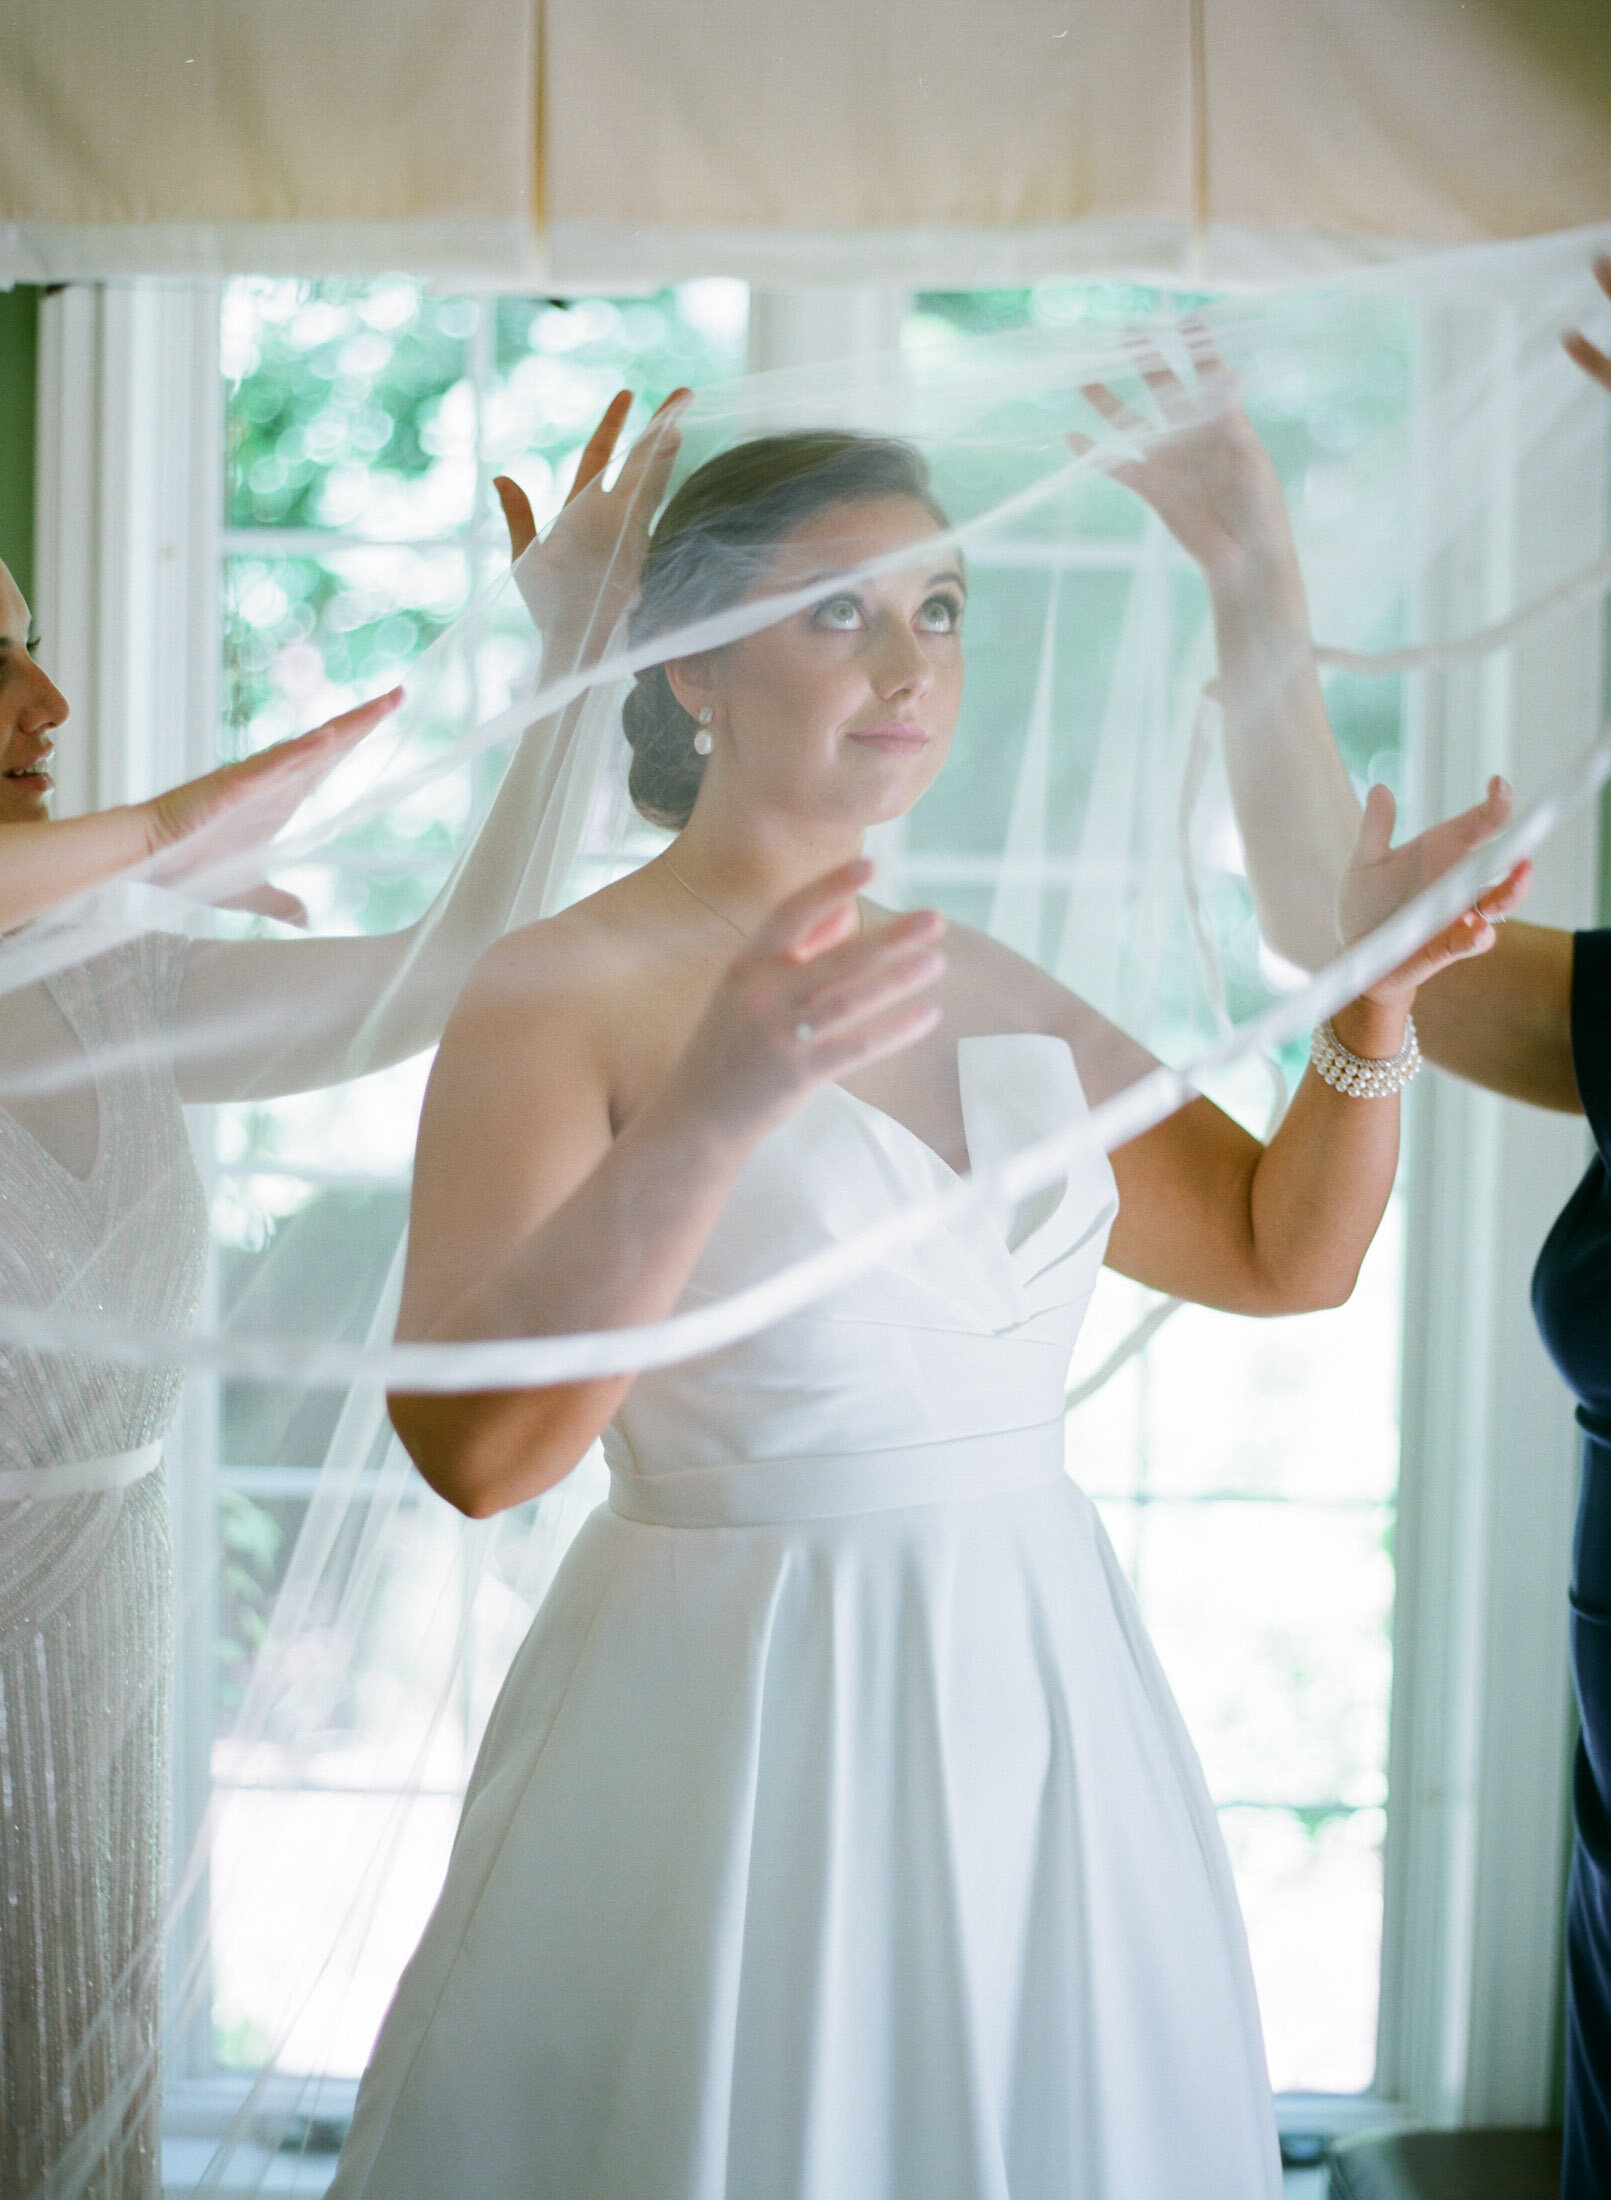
517, 516
1115, 411
599, 448
651, 458
1176, 400
1203, 352
1376, 826
823, 991
1473, 932
888, 1033
797, 928
1503, 900
1588, 356
266, 900
321, 748
1576, 345
347, 730
304, 758
882, 984
1173, 397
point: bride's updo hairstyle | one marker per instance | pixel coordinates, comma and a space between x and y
712, 545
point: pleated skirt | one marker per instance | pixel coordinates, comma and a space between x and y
825, 1859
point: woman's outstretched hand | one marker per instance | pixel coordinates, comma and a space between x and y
206, 822
1380, 879
1576, 345
810, 998
1202, 469
580, 580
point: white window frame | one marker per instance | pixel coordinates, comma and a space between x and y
129, 537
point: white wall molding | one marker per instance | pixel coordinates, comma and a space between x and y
1477, 1821
130, 505
130, 512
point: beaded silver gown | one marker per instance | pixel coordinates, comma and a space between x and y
85, 1605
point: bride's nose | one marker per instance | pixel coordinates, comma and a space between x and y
900, 666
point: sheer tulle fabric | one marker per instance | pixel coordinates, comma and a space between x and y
1084, 820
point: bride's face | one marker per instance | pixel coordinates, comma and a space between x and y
31, 707
843, 712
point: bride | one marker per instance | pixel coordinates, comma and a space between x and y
835, 1832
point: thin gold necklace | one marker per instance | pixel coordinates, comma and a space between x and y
721, 914
703, 903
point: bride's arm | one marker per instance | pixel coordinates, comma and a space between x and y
530, 1217
1205, 1211
261, 1017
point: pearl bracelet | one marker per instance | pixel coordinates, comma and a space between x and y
1356, 1074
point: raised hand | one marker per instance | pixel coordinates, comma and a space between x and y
1380, 879
578, 582
1576, 345
1202, 468
811, 997
207, 821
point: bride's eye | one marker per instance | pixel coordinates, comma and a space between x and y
840, 613
940, 615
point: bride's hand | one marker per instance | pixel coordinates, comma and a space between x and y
810, 998
1380, 879
580, 580
1206, 474
1576, 345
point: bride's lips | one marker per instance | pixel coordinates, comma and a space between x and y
898, 737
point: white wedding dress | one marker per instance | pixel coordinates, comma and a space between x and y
835, 1836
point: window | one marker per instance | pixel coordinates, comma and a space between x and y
1246, 1471
1353, 1557
363, 424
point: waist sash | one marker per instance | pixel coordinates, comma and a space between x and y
836, 1485
114, 1470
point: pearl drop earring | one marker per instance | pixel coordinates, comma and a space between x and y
704, 739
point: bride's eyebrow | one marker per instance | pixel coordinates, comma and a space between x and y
830, 575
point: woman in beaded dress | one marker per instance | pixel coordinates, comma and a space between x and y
102, 1212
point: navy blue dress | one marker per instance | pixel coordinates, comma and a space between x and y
1572, 1300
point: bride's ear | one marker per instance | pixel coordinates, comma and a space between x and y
691, 682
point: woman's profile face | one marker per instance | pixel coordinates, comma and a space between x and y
843, 712
31, 707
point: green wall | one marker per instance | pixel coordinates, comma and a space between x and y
19, 376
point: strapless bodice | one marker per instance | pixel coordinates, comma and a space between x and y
939, 1373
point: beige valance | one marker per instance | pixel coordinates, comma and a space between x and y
984, 140
185, 136
850, 141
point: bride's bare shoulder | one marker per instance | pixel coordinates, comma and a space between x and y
566, 972
993, 989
